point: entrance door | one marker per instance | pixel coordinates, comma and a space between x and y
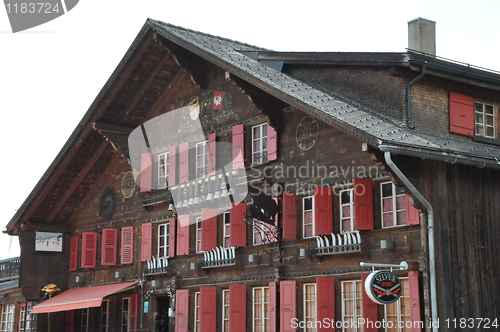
162, 320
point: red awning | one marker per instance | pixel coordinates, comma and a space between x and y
79, 298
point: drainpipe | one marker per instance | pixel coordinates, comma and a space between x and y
409, 117
430, 234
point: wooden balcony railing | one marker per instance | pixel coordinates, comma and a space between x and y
9, 268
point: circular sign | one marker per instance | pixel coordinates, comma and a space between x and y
128, 184
383, 287
307, 133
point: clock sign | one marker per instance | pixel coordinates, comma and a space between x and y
128, 184
383, 287
307, 133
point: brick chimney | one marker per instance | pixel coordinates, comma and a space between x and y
422, 35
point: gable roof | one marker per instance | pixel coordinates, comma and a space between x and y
378, 132
238, 59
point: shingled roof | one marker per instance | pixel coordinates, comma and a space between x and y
379, 132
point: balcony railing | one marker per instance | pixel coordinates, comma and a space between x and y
347, 242
9, 269
218, 257
156, 265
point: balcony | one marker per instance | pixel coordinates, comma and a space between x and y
218, 257
9, 269
156, 265
348, 242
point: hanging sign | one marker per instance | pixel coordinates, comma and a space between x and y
383, 287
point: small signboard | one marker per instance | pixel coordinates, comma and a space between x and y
45, 241
383, 287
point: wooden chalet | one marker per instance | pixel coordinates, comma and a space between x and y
377, 158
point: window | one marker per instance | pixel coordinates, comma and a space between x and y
225, 310
227, 230
393, 205
126, 314
196, 312
308, 216
259, 144
484, 120
27, 321
105, 316
351, 304
347, 210
7, 319
163, 165
198, 234
399, 312
309, 307
260, 309
85, 320
201, 159
163, 239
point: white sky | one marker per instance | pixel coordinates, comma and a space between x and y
50, 74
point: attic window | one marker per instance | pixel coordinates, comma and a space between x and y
471, 118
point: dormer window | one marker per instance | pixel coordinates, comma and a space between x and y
471, 118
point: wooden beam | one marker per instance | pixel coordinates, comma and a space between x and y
168, 91
81, 176
35, 227
145, 86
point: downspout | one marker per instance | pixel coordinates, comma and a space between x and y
430, 234
409, 116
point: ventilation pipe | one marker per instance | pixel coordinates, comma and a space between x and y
430, 234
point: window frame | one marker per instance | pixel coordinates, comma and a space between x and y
357, 304
8, 317
264, 319
261, 155
225, 310
125, 325
404, 302
484, 123
201, 169
395, 194
166, 239
226, 219
311, 210
27, 320
196, 320
165, 166
198, 233
307, 317
350, 205
105, 316
85, 320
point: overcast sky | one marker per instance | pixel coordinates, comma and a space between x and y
50, 74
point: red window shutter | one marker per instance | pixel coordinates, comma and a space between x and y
370, 308
184, 162
273, 307
237, 308
146, 172
73, 254
237, 226
208, 309
70, 321
289, 216
127, 249
147, 242
183, 233
238, 146
363, 204
325, 298
109, 246
89, 249
171, 237
461, 114
412, 213
134, 312
414, 300
208, 229
323, 210
172, 166
288, 302
211, 154
272, 143
182, 310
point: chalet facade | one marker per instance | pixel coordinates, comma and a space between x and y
219, 186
